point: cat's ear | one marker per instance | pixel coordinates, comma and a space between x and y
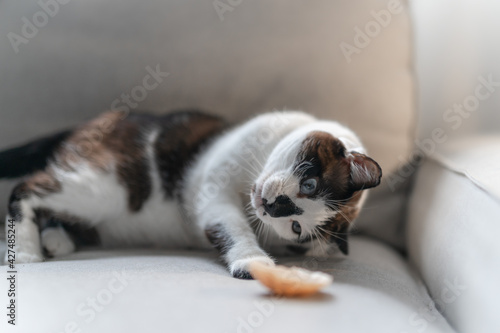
341, 239
364, 171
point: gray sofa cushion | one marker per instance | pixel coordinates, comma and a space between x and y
453, 231
157, 291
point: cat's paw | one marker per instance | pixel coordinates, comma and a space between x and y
25, 257
240, 268
56, 242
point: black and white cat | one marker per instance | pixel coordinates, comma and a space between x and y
283, 181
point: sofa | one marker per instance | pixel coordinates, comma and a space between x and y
423, 253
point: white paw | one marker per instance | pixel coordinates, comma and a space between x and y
57, 242
23, 257
239, 268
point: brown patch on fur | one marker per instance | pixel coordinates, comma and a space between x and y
126, 143
114, 139
182, 137
348, 211
87, 143
326, 155
43, 183
336, 229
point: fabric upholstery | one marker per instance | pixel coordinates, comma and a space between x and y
374, 291
476, 158
453, 232
262, 55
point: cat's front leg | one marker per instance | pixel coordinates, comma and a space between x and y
27, 246
20, 223
231, 234
238, 248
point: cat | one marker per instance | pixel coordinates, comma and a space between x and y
282, 182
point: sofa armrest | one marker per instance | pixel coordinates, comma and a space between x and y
453, 230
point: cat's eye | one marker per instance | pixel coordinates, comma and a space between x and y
308, 186
296, 227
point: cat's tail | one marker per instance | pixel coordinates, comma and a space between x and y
33, 156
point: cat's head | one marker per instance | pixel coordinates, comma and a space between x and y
310, 188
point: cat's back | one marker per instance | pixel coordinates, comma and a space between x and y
133, 144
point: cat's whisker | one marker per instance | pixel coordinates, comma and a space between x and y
315, 232
257, 160
255, 171
320, 238
328, 232
290, 174
259, 229
268, 232
333, 233
345, 216
287, 186
341, 201
251, 172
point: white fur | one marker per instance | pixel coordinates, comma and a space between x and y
27, 248
57, 242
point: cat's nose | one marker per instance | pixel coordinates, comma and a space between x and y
281, 207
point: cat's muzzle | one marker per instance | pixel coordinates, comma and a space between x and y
281, 207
